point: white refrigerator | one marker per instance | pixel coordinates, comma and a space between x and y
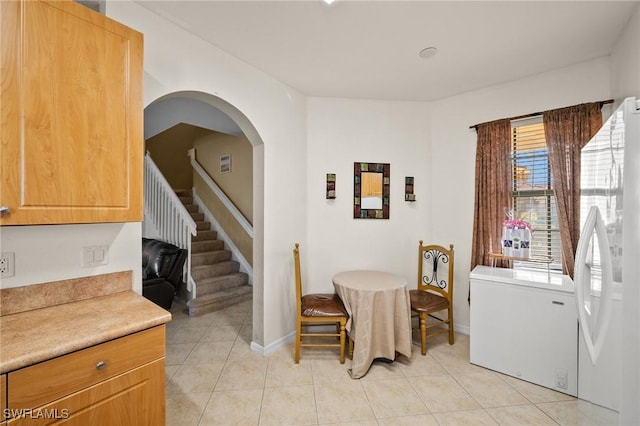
607, 266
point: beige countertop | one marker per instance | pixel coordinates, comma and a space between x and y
40, 334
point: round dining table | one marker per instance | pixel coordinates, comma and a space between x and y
379, 316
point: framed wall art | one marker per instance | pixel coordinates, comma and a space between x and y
371, 183
225, 163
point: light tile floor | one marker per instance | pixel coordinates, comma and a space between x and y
213, 378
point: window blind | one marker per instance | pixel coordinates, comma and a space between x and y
533, 196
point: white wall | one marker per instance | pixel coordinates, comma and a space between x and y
625, 61
54, 252
431, 142
341, 132
176, 61
166, 113
304, 140
453, 148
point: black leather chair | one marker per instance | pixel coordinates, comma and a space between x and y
162, 265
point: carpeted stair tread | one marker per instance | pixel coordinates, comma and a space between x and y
209, 257
215, 270
218, 300
218, 282
207, 245
197, 217
223, 282
207, 235
203, 226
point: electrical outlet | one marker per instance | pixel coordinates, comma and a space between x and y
562, 380
7, 261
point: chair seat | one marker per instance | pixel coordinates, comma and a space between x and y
424, 301
322, 305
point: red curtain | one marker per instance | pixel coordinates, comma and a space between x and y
493, 189
567, 130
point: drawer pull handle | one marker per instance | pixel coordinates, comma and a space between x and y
101, 365
555, 302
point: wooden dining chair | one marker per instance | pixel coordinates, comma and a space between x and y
314, 310
434, 293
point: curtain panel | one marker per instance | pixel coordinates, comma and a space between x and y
493, 192
567, 131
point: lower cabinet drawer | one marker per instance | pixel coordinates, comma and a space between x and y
47, 381
136, 397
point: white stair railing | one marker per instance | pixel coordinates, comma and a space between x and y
170, 217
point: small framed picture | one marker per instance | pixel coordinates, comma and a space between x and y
331, 186
225, 163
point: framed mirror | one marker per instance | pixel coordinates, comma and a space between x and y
371, 190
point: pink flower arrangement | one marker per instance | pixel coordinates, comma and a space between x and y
516, 224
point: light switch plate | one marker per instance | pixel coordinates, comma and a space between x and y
95, 256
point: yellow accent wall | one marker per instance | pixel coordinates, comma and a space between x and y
237, 184
168, 150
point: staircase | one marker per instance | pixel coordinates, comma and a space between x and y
218, 280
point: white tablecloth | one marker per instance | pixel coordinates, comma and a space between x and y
379, 316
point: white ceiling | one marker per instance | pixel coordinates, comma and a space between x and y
369, 49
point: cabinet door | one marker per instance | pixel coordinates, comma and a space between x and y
134, 398
3, 397
71, 142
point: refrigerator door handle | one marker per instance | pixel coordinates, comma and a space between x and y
594, 324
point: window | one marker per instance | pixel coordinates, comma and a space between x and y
533, 196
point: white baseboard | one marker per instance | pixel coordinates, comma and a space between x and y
462, 329
272, 347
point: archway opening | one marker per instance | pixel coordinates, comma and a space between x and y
207, 111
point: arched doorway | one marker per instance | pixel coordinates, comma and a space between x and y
207, 110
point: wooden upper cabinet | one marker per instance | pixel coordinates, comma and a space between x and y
71, 109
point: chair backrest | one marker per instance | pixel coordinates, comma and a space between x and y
435, 269
296, 263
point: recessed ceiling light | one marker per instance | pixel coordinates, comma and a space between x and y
328, 1
428, 52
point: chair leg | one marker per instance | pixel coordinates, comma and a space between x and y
343, 333
296, 357
423, 332
451, 338
350, 348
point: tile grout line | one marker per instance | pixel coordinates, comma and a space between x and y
213, 389
445, 361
